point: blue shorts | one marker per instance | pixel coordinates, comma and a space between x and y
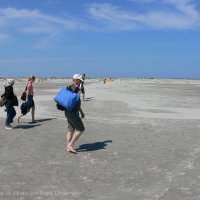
31, 102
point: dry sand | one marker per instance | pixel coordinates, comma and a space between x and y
141, 142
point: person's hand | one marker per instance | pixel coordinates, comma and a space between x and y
82, 115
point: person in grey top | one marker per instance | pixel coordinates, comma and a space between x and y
75, 124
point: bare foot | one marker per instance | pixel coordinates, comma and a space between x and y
70, 149
67, 149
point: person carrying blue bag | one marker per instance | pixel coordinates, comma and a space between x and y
68, 99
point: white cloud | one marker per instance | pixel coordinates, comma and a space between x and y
142, 1
29, 60
39, 22
113, 16
179, 14
35, 30
43, 26
182, 15
184, 6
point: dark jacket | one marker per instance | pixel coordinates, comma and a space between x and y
9, 94
11, 99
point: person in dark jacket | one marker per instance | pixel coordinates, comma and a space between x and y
11, 101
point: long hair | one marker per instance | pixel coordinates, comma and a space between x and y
32, 78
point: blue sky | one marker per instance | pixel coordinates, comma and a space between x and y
104, 38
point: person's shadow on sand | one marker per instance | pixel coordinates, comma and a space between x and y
93, 146
26, 126
32, 124
42, 120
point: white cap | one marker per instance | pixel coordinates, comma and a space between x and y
78, 76
8, 82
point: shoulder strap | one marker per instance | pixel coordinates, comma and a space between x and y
69, 87
26, 85
73, 88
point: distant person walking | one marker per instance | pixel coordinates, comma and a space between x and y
11, 101
29, 98
82, 87
75, 124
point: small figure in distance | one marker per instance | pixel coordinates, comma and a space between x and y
82, 87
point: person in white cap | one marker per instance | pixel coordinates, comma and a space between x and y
75, 124
78, 77
82, 78
11, 101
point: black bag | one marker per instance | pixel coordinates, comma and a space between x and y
24, 108
59, 107
12, 102
2, 100
23, 97
15, 101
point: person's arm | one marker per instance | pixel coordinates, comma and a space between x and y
81, 112
27, 90
80, 109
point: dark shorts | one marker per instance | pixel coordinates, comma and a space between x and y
31, 102
74, 122
83, 90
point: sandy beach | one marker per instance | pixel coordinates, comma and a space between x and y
141, 142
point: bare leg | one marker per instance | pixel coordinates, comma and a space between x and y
33, 114
83, 96
75, 137
19, 118
69, 136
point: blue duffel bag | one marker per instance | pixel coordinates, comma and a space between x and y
66, 98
